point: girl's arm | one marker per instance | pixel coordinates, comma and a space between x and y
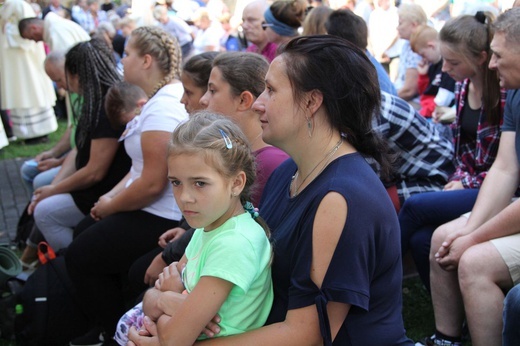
150, 185
192, 316
301, 326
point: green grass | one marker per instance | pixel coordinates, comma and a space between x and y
20, 149
417, 310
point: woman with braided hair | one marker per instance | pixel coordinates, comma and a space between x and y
98, 161
126, 222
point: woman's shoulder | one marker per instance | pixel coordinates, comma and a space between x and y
165, 104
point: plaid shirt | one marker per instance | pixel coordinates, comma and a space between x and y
425, 157
474, 158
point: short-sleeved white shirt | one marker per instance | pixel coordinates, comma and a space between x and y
163, 112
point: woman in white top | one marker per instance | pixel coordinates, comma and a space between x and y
126, 222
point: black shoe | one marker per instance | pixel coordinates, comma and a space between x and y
36, 140
93, 338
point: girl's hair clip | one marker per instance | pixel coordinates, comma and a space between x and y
226, 138
481, 17
250, 208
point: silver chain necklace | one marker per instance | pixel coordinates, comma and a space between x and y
325, 159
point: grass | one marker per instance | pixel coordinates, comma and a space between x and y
20, 149
417, 305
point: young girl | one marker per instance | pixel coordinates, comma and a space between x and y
479, 102
227, 263
194, 77
126, 222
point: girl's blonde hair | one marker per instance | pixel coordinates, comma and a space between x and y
469, 36
224, 146
164, 48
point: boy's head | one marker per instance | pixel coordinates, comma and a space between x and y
425, 42
410, 17
123, 102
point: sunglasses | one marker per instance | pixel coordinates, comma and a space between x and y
266, 25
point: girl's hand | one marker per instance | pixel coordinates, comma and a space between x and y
212, 328
170, 280
170, 235
146, 336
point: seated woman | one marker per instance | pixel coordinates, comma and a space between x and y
476, 131
126, 222
236, 80
337, 266
97, 163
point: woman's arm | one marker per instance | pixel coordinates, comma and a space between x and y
150, 185
68, 167
410, 88
102, 152
119, 187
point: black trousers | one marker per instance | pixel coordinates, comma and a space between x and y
99, 257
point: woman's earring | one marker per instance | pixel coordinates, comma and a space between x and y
309, 127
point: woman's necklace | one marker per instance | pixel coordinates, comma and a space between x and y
325, 159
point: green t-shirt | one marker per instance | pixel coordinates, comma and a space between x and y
239, 252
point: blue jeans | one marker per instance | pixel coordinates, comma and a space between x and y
34, 178
421, 214
511, 332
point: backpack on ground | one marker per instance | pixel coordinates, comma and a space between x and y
51, 314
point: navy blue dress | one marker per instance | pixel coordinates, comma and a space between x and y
365, 270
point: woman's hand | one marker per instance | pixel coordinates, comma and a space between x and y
154, 269
39, 195
453, 185
170, 235
101, 208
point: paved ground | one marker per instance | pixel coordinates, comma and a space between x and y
13, 198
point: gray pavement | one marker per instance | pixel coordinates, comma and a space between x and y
13, 198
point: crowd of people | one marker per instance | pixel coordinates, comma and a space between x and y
261, 182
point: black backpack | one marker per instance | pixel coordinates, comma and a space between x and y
51, 314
